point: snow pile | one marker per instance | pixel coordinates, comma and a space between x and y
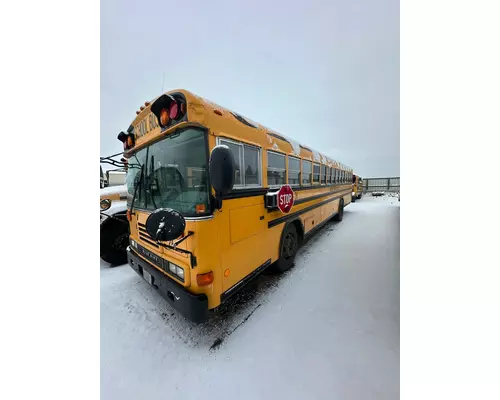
327, 329
110, 190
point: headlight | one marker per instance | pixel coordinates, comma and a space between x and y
105, 204
172, 268
176, 270
133, 243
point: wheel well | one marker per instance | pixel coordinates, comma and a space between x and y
113, 220
300, 229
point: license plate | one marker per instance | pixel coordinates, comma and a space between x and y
147, 276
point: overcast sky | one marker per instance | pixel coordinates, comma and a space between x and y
325, 73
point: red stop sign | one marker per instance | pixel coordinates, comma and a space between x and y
285, 199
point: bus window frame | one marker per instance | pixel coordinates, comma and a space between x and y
299, 170
319, 173
277, 169
221, 139
302, 161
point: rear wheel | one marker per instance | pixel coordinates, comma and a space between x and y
114, 242
340, 215
288, 250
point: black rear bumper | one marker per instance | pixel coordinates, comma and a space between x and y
193, 306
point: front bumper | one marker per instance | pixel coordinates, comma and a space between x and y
193, 306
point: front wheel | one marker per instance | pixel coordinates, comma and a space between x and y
114, 242
288, 250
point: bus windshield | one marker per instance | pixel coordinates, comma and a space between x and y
175, 174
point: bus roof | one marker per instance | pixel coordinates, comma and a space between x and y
204, 110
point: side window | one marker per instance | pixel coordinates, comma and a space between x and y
316, 173
328, 176
237, 150
276, 169
247, 164
323, 174
251, 163
293, 171
334, 174
306, 172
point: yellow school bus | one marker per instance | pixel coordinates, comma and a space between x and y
357, 187
207, 189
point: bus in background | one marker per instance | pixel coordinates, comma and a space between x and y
215, 198
357, 187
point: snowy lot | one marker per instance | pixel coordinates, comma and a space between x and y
327, 329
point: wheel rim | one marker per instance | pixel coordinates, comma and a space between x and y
289, 245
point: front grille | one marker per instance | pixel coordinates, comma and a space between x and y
143, 235
153, 258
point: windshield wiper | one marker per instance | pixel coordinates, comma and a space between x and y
136, 187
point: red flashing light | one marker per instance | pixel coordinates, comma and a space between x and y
173, 111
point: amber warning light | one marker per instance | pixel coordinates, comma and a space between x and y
128, 140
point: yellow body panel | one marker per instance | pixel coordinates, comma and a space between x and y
240, 237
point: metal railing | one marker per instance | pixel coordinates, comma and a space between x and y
390, 184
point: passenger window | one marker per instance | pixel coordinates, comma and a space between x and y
323, 174
236, 149
306, 172
247, 163
251, 163
293, 171
316, 173
276, 169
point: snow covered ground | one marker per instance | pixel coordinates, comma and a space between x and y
327, 329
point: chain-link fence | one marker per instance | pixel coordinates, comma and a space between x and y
381, 184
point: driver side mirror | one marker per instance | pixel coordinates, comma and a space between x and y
221, 168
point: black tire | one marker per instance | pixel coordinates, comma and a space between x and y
353, 199
114, 242
288, 250
359, 196
340, 215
